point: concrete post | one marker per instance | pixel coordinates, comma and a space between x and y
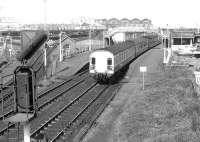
61, 55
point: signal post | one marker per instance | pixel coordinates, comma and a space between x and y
24, 107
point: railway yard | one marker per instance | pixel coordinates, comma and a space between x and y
158, 105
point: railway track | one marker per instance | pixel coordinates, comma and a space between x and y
51, 110
42, 96
78, 108
75, 114
37, 64
78, 127
67, 108
50, 95
53, 125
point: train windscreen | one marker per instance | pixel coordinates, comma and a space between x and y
93, 61
109, 61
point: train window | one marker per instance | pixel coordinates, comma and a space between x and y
120, 56
93, 61
177, 41
109, 61
186, 41
117, 59
181, 41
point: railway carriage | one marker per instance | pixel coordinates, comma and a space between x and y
104, 63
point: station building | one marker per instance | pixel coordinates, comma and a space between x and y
182, 40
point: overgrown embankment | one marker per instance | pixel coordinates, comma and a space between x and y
168, 110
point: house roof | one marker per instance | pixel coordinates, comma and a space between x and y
124, 19
115, 19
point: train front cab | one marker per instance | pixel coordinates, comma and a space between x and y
101, 65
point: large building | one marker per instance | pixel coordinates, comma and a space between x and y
114, 22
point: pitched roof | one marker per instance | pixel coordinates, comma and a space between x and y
125, 19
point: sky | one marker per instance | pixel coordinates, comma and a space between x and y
174, 13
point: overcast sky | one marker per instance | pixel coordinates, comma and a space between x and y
161, 12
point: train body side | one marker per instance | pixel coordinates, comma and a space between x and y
124, 57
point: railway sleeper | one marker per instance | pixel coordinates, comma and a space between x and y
57, 124
45, 128
56, 119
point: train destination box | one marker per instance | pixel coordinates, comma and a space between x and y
24, 95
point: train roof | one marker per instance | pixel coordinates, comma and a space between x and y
121, 46
116, 48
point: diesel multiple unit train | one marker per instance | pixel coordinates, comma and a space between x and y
104, 63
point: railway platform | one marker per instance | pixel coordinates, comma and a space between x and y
71, 65
8, 70
66, 68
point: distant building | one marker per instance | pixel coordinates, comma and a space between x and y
125, 22
147, 23
135, 22
114, 22
182, 41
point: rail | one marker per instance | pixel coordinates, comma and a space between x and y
62, 110
46, 93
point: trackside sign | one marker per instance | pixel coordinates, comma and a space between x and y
143, 69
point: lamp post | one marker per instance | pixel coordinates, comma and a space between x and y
45, 62
61, 49
90, 44
45, 55
11, 48
103, 40
45, 45
11, 43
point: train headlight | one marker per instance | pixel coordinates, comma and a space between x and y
92, 67
109, 68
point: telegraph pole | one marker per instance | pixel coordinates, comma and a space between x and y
45, 45
90, 45
61, 53
103, 40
